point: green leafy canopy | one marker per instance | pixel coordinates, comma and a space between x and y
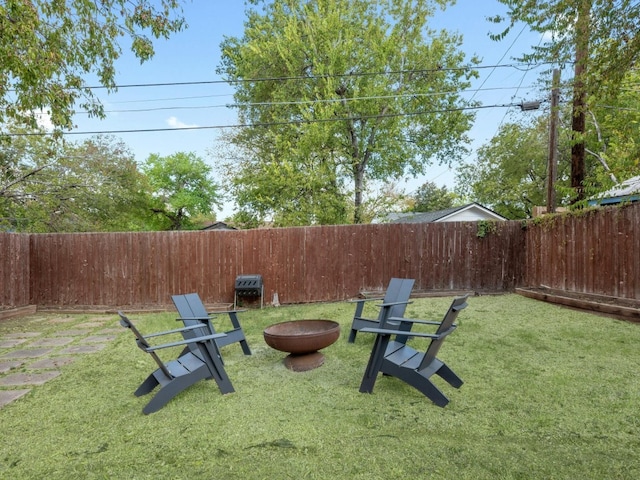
49, 47
182, 187
338, 93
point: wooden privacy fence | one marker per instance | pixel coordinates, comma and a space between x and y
299, 264
596, 252
14, 270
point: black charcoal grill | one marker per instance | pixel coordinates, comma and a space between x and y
248, 286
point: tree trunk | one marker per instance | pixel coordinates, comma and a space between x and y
358, 184
579, 101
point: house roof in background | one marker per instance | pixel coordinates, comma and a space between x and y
443, 215
218, 226
627, 191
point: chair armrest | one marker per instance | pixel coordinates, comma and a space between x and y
202, 319
176, 330
358, 300
413, 320
221, 312
385, 331
185, 342
391, 304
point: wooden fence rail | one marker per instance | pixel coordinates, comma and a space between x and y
597, 252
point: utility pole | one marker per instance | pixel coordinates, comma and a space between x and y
552, 170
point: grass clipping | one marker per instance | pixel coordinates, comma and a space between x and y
549, 393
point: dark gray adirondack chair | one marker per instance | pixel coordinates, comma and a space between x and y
399, 290
203, 362
193, 312
396, 358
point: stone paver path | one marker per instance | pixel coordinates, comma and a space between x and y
37, 355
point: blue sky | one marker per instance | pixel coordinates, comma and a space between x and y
194, 54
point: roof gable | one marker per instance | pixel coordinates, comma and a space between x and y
464, 213
627, 191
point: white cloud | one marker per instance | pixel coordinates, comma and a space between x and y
175, 123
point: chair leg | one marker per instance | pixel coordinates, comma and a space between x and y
418, 380
216, 370
432, 392
375, 363
233, 316
352, 335
245, 347
357, 314
449, 376
173, 388
148, 385
421, 383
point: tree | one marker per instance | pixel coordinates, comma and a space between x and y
182, 187
599, 38
48, 48
338, 93
48, 185
510, 172
613, 142
429, 198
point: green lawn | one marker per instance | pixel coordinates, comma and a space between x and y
549, 393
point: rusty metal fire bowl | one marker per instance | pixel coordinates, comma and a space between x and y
302, 339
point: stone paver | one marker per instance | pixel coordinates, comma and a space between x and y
111, 331
98, 339
10, 343
53, 362
61, 320
90, 325
83, 349
30, 353
18, 379
6, 366
8, 396
52, 342
73, 333
40, 359
22, 335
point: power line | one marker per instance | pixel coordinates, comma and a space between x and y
301, 102
263, 124
307, 77
170, 99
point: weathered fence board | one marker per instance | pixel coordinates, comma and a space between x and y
14, 270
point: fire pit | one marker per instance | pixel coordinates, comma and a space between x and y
302, 339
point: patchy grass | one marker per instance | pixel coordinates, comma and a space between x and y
549, 393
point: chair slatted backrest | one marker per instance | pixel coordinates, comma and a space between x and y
445, 328
181, 304
399, 290
143, 344
199, 310
196, 305
191, 316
